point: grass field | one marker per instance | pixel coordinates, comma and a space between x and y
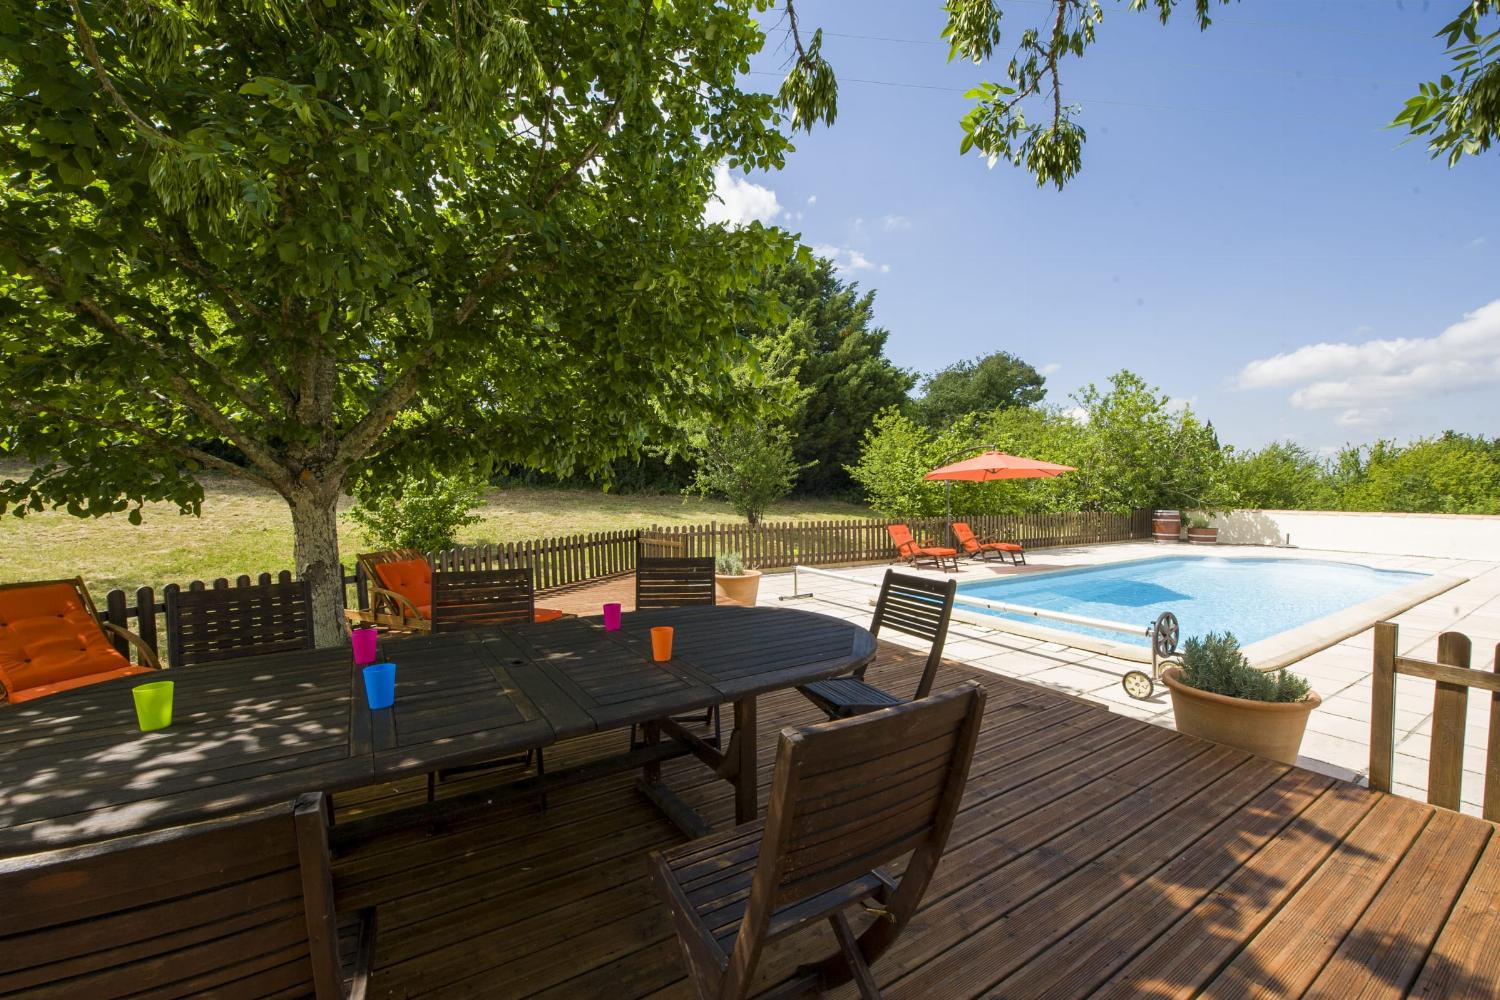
247, 530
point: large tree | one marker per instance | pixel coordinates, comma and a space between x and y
996, 381
841, 365
304, 243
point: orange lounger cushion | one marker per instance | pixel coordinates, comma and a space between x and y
49, 638
412, 579
41, 691
1006, 546
546, 615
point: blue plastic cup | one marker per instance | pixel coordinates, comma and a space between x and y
380, 685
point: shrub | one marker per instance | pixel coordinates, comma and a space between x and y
1215, 664
416, 512
729, 564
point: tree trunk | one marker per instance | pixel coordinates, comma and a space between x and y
316, 552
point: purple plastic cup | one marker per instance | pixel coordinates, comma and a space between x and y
364, 645
611, 618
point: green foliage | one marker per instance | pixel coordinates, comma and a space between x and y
1281, 476
1215, 664
841, 366
995, 382
729, 564
1132, 449
746, 458
416, 512
429, 236
1459, 113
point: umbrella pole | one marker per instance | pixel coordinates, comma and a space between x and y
948, 502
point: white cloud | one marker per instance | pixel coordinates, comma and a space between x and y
812, 199
1176, 404
1477, 241
1078, 414
894, 223
847, 260
1051, 368
738, 201
1350, 376
1358, 417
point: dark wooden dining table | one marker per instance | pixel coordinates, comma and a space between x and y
246, 732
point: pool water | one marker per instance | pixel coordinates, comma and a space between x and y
1253, 598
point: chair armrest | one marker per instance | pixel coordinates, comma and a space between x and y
147, 654
397, 600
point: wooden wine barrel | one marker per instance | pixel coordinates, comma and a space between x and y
1166, 525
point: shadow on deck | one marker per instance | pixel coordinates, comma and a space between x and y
1095, 855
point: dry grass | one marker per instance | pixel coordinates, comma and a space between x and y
247, 530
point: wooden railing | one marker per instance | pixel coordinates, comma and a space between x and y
1450, 705
575, 559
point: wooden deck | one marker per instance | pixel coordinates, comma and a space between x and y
1094, 855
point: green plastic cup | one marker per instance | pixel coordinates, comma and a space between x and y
153, 705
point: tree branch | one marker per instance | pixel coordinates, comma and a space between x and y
86, 44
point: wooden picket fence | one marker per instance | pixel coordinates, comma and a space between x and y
576, 559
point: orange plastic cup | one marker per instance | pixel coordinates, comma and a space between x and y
661, 643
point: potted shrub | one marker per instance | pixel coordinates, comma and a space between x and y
1201, 531
735, 582
1218, 695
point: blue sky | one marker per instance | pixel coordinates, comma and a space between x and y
1245, 232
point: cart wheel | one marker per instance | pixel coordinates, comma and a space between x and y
1137, 684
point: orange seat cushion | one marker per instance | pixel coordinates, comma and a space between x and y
40, 691
931, 551
1007, 546
48, 638
412, 579
546, 615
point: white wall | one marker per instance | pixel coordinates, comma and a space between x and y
1456, 536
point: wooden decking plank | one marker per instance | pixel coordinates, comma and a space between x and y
1292, 948
1083, 873
1077, 962
1465, 960
1385, 949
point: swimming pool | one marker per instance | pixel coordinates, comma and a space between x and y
1253, 598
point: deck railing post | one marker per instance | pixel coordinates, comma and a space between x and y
1383, 707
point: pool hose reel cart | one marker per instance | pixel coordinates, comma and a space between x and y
1164, 635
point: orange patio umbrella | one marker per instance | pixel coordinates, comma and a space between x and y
993, 465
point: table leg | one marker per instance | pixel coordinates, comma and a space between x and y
651, 736
746, 804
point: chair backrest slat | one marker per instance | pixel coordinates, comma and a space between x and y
224, 623
464, 599
1450, 671
673, 582
918, 607
216, 906
853, 795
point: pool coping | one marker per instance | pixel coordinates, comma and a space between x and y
1271, 653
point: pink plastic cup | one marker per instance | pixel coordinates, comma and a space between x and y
611, 618
364, 645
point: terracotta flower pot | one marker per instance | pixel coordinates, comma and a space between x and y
1166, 525
740, 589
1203, 536
1270, 729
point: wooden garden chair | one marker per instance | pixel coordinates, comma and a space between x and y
465, 599
225, 623
984, 548
912, 605
52, 639
1450, 709
914, 554
673, 582
677, 582
241, 906
847, 799
399, 584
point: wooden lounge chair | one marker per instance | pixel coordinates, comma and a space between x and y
846, 801
206, 626
984, 548
52, 639
241, 906
915, 554
912, 605
400, 589
673, 582
677, 582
